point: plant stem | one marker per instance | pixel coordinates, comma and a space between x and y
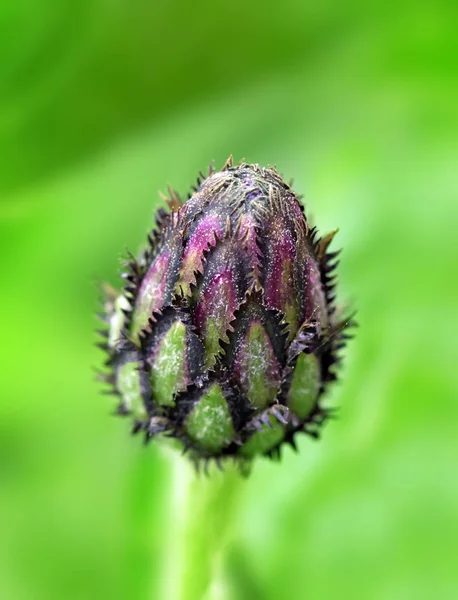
200, 518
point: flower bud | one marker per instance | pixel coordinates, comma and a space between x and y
226, 334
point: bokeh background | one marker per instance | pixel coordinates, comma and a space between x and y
105, 102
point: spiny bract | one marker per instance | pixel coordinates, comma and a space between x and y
226, 333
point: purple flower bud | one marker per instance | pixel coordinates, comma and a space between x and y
227, 334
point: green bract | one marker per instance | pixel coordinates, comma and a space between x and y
226, 333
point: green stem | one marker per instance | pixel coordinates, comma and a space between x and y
200, 517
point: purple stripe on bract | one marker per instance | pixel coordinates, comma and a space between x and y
219, 291
214, 313
248, 236
151, 295
316, 307
278, 281
219, 302
203, 237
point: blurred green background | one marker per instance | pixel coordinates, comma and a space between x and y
103, 103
